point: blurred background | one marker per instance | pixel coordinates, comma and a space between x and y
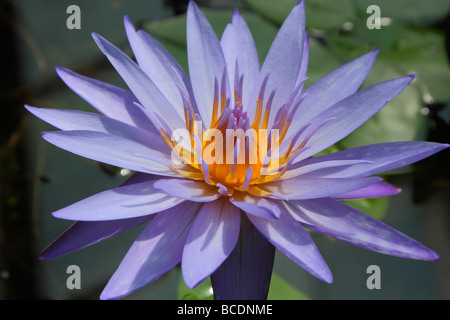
38, 178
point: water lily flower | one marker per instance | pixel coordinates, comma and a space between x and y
218, 204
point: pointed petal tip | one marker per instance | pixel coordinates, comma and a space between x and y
435, 256
370, 56
56, 214
191, 283
419, 252
109, 293
103, 297
439, 146
323, 273
30, 108
59, 69
300, 5
374, 53
42, 256
328, 278
126, 19
428, 255
192, 280
98, 40
129, 26
64, 73
107, 296
192, 6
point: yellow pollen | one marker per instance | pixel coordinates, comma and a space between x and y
239, 161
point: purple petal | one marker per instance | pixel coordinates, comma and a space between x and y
283, 61
111, 149
380, 189
212, 237
320, 169
78, 120
112, 101
128, 201
157, 63
338, 85
143, 88
157, 249
294, 241
312, 188
380, 158
259, 206
305, 60
205, 59
345, 223
350, 113
238, 46
82, 234
197, 191
246, 273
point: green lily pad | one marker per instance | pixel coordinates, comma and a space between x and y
422, 50
320, 14
274, 11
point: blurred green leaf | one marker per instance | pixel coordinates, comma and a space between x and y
201, 292
407, 49
320, 14
328, 15
282, 290
375, 207
274, 11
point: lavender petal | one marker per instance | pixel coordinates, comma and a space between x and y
212, 237
380, 158
205, 59
294, 241
111, 149
112, 101
349, 113
197, 191
347, 224
157, 249
128, 201
239, 47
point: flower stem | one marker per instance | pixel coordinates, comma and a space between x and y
246, 273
